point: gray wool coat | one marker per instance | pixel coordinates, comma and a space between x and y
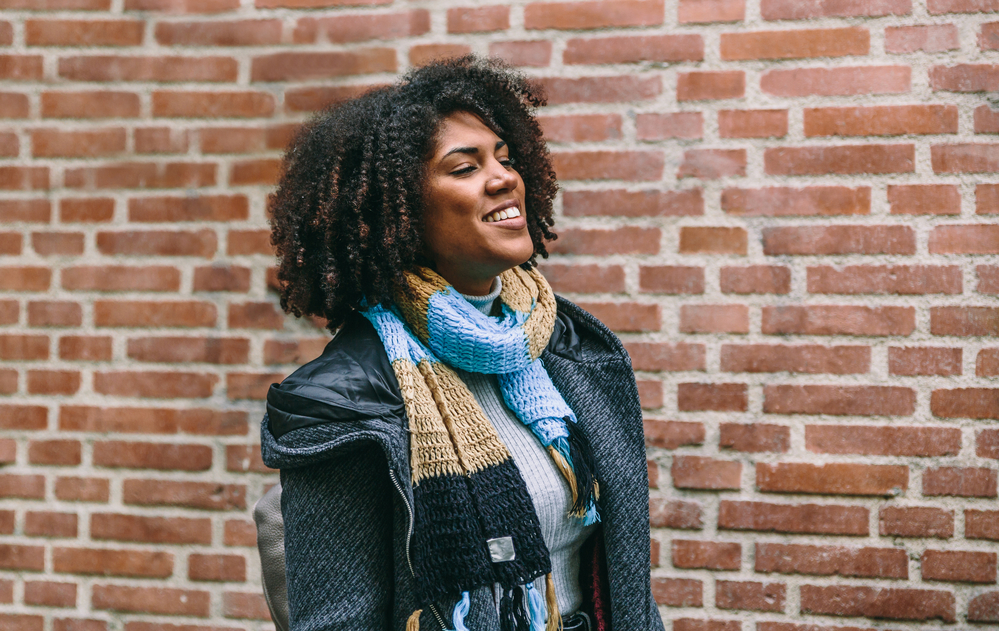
336, 429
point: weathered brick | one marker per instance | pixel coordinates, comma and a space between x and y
839, 400
581, 127
835, 478
216, 567
839, 320
882, 120
960, 567
707, 85
49, 594
145, 455
152, 600
928, 38
754, 437
478, 19
613, 89
608, 165
984, 607
713, 240
672, 434
965, 78
628, 240
795, 44
878, 602
916, 521
714, 319
704, 11
677, 592
103, 562
832, 560
964, 321
969, 239
626, 316
201, 495
291, 66
633, 203
840, 160
981, 524
721, 397
697, 472
883, 440
591, 15
219, 33
884, 279
142, 529
212, 350
987, 363
339, 29
839, 239
752, 123
751, 596
924, 361
755, 279
675, 514
924, 199
806, 359
710, 164
960, 482
680, 125
709, 555
805, 9
533, 53
843, 81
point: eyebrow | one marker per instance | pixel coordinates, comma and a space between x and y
473, 150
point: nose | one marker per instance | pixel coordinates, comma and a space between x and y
501, 180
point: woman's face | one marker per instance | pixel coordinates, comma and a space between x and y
470, 182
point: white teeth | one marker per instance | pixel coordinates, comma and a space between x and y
513, 212
500, 215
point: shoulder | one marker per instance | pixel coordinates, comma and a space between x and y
579, 336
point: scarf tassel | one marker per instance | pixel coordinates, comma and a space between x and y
574, 460
413, 624
554, 615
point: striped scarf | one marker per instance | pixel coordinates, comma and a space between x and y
474, 522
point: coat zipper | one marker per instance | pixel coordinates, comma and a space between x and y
409, 534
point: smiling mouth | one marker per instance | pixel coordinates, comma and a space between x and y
500, 215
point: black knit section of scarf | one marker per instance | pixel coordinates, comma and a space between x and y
584, 466
456, 515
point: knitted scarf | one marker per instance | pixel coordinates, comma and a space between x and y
474, 521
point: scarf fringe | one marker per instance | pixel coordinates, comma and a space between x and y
413, 624
551, 601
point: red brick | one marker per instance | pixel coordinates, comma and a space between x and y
754, 437
965, 403
239, 532
720, 397
988, 38
755, 279
805, 359
26, 210
233, 278
297, 352
750, 595
916, 521
152, 600
709, 555
478, 19
709, 164
244, 458
592, 15
245, 606
832, 560
156, 385
674, 514
964, 321
796, 44
219, 33
600, 89
895, 279
693, 624
953, 566
160, 530
677, 592
21, 67
50, 524
839, 239
987, 444
255, 315
49, 594
90, 104
981, 524
704, 11
72, 489
187, 104
200, 495
928, 38
584, 278
805, 9
714, 319
186, 6
988, 279
987, 363
884, 120
986, 120
697, 472
535, 53
189, 208
24, 347
626, 316
8, 451
103, 562
924, 199
965, 158
16, 557
57, 243
622, 203
85, 348
9, 311
243, 242
965, 78
883, 440
968, 239
839, 320
843, 81
924, 361
634, 49
628, 240
14, 105
841, 160
839, 400
292, 66
200, 243
161, 140
313, 98
54, 452
142, 175
608, 165
835, 478
216, 567
987, 199
250, 385
99, 209
144, 314
25, 278
423, 54
984, 607
752, 123
189, 350
672, 434
961, 482
19, 178
248, 172
710, 85
878, 602
161, 69
54, 313
581, 127
359, 27
138, 455
84, 33
710, 240
684, 125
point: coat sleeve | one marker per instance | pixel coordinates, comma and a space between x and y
338, 543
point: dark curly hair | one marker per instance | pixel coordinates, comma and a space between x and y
347, 218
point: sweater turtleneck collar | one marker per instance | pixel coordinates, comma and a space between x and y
485, 303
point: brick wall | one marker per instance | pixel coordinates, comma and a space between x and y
786, 208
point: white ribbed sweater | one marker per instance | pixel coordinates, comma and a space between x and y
548, 489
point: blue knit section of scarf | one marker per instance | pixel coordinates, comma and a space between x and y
462, 336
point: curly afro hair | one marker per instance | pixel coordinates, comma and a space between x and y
347, 218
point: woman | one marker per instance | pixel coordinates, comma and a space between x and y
467, 453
